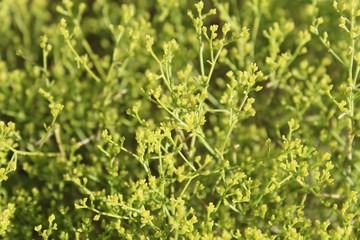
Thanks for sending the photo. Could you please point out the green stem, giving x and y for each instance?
(350, 122)
(24, 153)
(213, 63)
(89, 50)
(163, 75)
(201, 58)
(78, 58)
(187, 161)
(233, 122)
(187, 184)
(255, 30)
(105, 213)
(332, 52)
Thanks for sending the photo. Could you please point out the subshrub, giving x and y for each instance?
(174, 120)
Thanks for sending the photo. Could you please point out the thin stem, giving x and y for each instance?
(255, 30)
(105, 213)
(163, 75)
(59, 142)
(333, 53)
(24, 153)
(207, 145)
(89, 50)
(187, 184)
(233, 122)
(213, 63)
(45, 54)
(94, 58)
(201, 58)
(78, 58)
(350, 122)
(187, 161)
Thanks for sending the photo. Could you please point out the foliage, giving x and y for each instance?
(174, 120)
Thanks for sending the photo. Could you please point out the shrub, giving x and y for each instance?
(174, 120)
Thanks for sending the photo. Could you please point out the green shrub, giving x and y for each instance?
(174, 120)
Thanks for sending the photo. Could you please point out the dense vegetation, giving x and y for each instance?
(166, 119)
